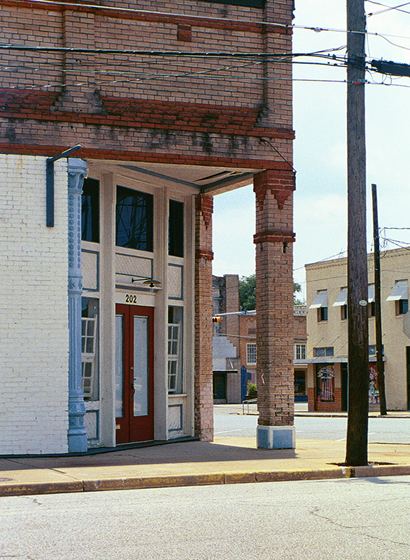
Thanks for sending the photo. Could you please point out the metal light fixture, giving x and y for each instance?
(149, 282)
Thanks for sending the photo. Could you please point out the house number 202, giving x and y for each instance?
(130, 298)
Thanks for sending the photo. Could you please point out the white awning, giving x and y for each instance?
(399, 291)
(341, 298)
(320, 300)
(370, 293)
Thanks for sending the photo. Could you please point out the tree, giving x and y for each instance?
(247, 293)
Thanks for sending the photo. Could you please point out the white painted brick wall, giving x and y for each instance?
(33, 309)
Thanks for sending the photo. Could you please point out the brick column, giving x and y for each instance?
(204, 428)
(274, 308)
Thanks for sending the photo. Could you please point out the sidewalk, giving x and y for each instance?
(226, 461)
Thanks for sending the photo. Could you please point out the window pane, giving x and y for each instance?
(176, 229)
(134, 219)
(140, 366)
(119, 371)
(175, 349)
(89, 347)
(90, 210)
(325, 383)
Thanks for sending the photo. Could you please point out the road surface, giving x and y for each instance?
(328, 520)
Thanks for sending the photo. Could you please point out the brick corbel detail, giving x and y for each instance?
(205, 205)
(274, 236)
(281, 184)
(204, 254)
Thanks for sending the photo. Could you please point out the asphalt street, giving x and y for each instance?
(384, 430)
(342, 520)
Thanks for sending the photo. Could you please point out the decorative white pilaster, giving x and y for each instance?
(77, 435)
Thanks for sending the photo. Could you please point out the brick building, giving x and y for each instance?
(235, 344)
(327, 350)
(105, 300)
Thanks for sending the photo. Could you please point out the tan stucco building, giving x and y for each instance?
(327, 350)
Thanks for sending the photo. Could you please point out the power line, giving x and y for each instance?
(388, 8)
(285, 26)
(165, 54)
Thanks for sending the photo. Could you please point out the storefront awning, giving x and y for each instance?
(320, 300)
(399, 291)
(341, 298)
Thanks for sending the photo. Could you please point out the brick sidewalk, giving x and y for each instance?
(226, 461)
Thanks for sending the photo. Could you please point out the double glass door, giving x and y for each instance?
(134, 373)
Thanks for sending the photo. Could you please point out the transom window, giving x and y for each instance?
(134, 219)
(251, 354)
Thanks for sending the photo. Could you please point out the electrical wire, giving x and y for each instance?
(166, 54)
(100, 7)
(388, 8)
(396, 228)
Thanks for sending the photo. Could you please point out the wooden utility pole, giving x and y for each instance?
(357, 280)
(377, 305)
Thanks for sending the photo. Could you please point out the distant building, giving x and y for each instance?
(234, 344)
(327, 349)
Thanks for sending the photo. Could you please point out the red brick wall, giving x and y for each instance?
(314, 405)
(120, 105)
(203, 391)
(299, 328)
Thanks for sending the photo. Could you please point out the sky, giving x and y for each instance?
(320, 219)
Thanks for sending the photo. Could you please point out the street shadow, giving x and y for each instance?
(186, 452)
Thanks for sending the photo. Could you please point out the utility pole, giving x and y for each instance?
(377, 304)
(357, 280)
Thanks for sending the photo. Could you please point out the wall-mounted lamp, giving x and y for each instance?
(149, 282)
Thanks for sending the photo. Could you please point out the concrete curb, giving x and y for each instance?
(173, 481)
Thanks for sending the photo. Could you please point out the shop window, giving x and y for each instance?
(300, 351)
(251, 354)
(176, 229)
(323, 351)
(343, 312)
(175, 350)
(89, 348)
(134, 219)
(90, 211)
(300, 384)
(325, 383)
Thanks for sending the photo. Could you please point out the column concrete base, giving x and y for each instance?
(77, 443)
(275, 437)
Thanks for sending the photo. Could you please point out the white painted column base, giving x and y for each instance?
(275, 437)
